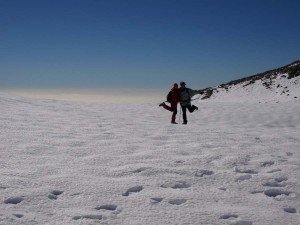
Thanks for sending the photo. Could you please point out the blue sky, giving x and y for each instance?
(143, 43)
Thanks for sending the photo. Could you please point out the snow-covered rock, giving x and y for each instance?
(279, 85)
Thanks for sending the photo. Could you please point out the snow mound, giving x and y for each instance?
(279, 85)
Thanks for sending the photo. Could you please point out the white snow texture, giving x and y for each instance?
(278, 89)
(73, 163)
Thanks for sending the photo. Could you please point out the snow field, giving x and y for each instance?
(70, 163)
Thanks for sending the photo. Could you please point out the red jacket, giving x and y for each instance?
(175, 96)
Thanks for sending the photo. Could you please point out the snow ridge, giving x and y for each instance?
(278, 85)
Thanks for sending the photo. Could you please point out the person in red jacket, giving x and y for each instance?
(174, 99)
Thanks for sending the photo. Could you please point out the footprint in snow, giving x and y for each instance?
(92, 217)
(289, 153)
(75, 194)
(274, 171)
(13, 200)
(282, 160)
(177, 201)
(109, 207)
(242, 222)
(276, 182)
(257, 139)
(54, 194)
(176, 185)
(290, 210)
(267, 163)
(156, 200)
(276, 192)
(243, 178)
(202, 173)
(228, 216)
(132, 190)
(18, 215)
(245, 170)
(214, 158)
(139, 170)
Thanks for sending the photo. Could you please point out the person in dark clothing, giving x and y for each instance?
(174, 99)
(186, 95)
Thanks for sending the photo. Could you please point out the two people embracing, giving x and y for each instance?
(182, 95)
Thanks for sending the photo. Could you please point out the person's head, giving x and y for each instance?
(175, 86)
(182, 84)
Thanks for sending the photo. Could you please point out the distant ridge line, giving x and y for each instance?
(292, 70)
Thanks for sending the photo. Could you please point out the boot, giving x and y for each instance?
(161, 104)
(173, 122)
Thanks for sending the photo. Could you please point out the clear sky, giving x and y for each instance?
(143, 43)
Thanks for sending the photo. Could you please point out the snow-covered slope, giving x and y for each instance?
(280, 85)
(68, 163)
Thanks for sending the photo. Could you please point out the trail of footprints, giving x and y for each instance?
(54, 195)
(274, 184)
(108, 207)
(17, 200)
(246, 174)
(136, 189)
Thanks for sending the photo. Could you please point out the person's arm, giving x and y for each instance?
(193, 92)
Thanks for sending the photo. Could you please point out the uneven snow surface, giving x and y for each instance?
(71, 163)
(279, 89)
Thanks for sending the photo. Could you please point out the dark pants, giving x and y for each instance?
(172, 108)
(191, 109)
